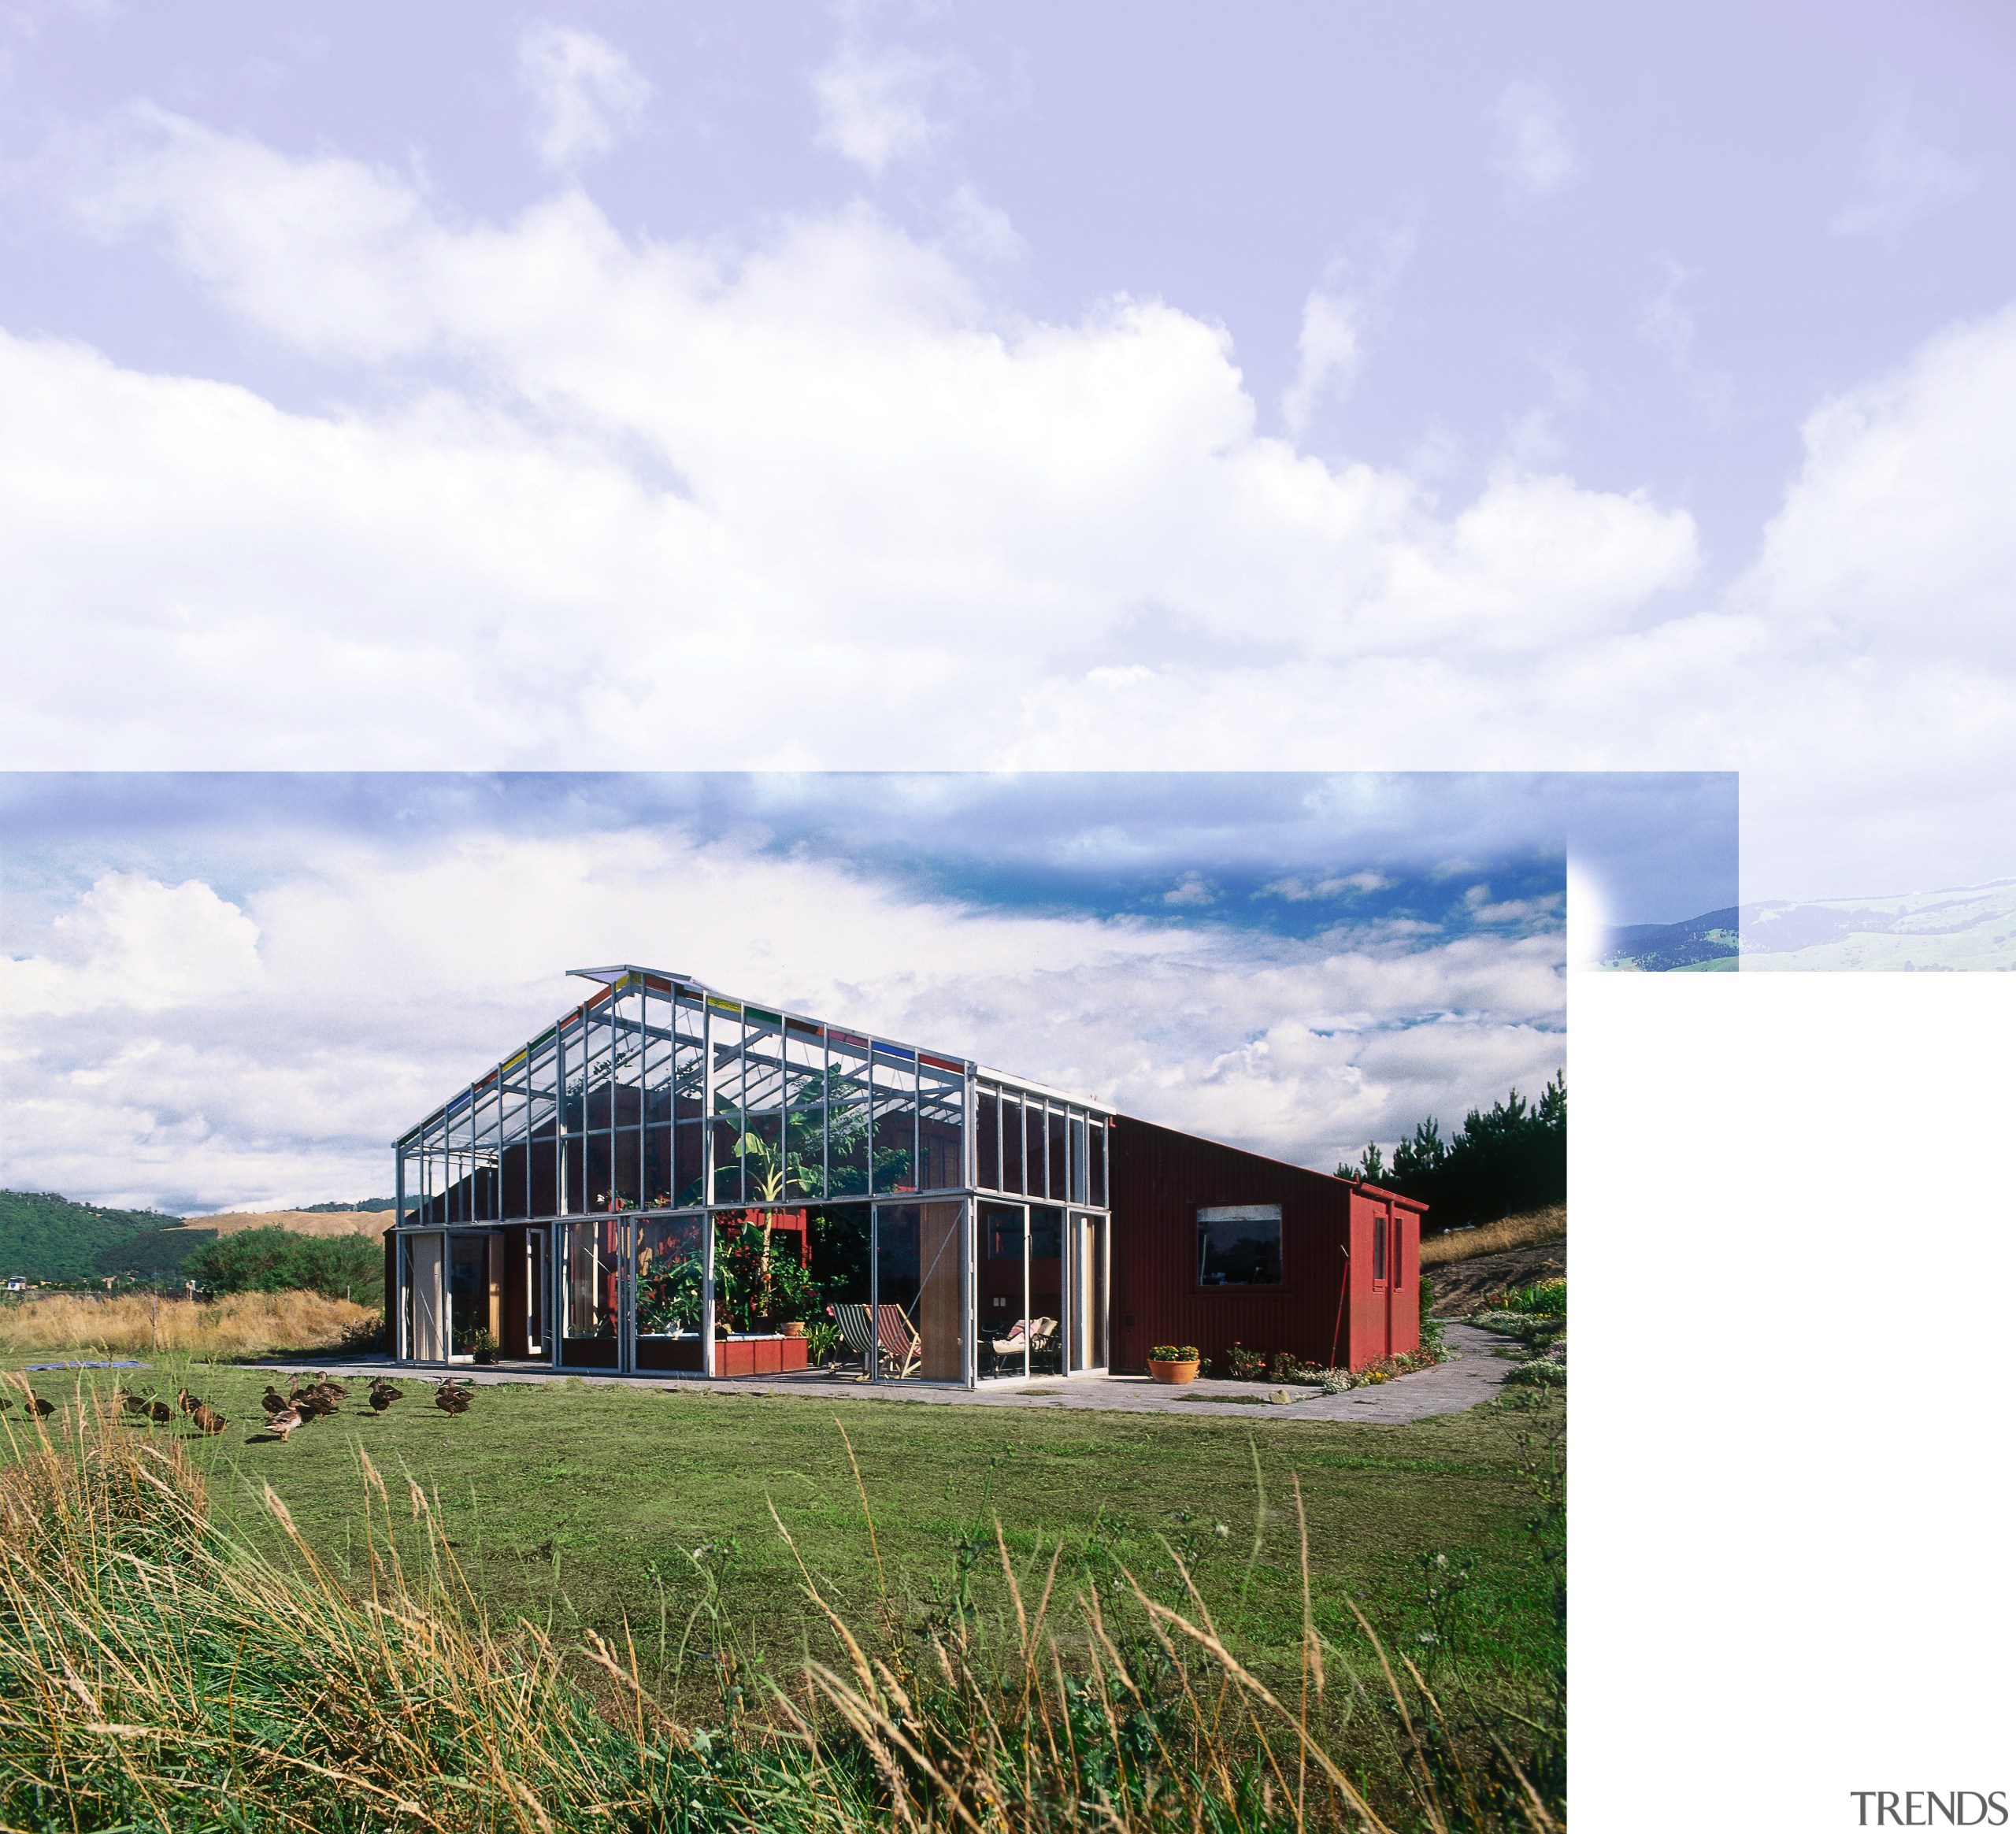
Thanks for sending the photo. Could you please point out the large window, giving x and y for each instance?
(1239, 1245)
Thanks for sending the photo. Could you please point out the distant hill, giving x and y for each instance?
(47, 1237)
(43, 1236)
(1964, 927)
(1705, 942)
(323, 1220)
(363, 1203)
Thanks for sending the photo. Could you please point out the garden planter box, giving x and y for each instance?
(758, 1356)
(1172, 1372)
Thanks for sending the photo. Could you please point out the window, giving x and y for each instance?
(987, 1172)
(1239, 1245)
(1378, 1248)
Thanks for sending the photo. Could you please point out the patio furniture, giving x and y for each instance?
(857, 1331)
(1035, 1335)
(901, 1345)
(879, 1331)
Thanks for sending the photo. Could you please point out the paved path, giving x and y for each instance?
(1472, 1374)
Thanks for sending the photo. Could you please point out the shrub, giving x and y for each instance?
(483, 1345)
(822, 1338)
(275, 1260)
(1245, 1365)
(1173, 1353)
(1540, 1372)
(1286, 1366)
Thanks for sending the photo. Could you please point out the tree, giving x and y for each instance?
(1508, 1157)
(276, 1261)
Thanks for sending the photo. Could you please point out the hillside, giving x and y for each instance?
(47, 1237)
(43, 1236)
(296, 1222)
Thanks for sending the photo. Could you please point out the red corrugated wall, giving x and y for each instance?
(1161, 1178)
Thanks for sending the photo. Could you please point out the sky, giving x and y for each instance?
(233, 991)
(939, 388)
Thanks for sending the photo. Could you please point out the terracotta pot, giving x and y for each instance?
(794, 1328)
(1172, 1372)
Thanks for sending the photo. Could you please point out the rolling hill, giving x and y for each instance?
(44, 1236)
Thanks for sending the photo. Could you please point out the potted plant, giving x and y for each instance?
(1173, 1362)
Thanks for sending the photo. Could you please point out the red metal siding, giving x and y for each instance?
(1160, 1178)
(1328, 1309)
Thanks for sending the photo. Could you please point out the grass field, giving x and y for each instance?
(140, 1324)
(590, 1507)
(1520, 1232)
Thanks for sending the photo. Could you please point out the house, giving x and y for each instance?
(672, 1179)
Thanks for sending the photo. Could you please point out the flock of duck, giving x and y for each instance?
(301, 1404)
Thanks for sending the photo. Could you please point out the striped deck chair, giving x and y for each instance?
(901, 1345)
(856, 1332)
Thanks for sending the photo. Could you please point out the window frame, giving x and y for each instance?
(1200, 1214)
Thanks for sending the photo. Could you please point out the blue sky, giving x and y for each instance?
(934, 387)
(232, 991)
(1269, 851)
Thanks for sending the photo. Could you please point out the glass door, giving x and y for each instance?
(538, 1297)
(592, 1295)
(1045, 1289)
(920, 1291)
(1002, 1290)
(1088, 1306)
(468, 1296)
(420, 1300)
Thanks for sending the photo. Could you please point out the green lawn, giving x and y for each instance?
(576, 1504)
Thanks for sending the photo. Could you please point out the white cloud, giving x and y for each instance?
(587, 93)
(1531, 149)
(1903, 180)
(1336, 885)
(930, 531)
(876, 104)
(281, 1081)
(1328, 352)
(1337, 318)
(1191, 889)
(982, 229)
(1665, 323)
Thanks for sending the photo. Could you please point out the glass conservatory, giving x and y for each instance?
(672, 1180)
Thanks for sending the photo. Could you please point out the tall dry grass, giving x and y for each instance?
(236, 1325)
(1550, 1225)
(154, 1674)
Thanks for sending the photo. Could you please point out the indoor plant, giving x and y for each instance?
(1173, 1362)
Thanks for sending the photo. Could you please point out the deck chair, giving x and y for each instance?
(856, 1332)
(901, 1345)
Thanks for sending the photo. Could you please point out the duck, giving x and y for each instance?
(186, 1402)
(451, 1399)
(40, 1407)
(274, 1402)
(284, 1420)
(383, 1394)
(207, 1419)
(160, 1413)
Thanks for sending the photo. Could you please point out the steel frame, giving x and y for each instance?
(690, 1043)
